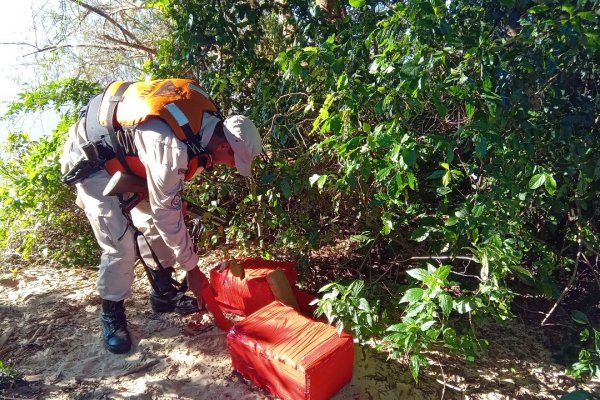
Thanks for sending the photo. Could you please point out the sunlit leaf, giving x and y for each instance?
(418, 273)
(412, 295)
(445, 301)
(357, 3)
(537, 180)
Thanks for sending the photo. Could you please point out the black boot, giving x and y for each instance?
(170, 298)
(114, 327)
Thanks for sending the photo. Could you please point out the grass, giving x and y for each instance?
(8, 376)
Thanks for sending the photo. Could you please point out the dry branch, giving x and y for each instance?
(104, 15)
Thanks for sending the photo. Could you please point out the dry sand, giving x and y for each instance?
(49, 333)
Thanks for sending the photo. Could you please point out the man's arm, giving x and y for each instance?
(165, 160)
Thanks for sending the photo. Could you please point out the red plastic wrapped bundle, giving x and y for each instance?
(245, 296)
(304, 299)
(291, 355)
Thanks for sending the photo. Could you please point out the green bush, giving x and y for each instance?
(39, 220)
(457, 142)
(462, 133)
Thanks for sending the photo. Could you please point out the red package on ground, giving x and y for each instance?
(304, 299)
(290, 355)
(245, 296)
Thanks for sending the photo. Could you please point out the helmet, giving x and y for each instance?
(243, 137)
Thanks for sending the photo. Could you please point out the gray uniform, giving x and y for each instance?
(160, 219)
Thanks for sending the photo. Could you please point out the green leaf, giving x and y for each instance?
(451, 221)
(440, 107)
(436, 174)
(485, 267)
(339, 326)
(412, 295)
(445, 301)
(550, 184)
(419, 234)
(363, 305)
(286, 188)
(318, 179)
(443, 271)
(463, 305)
(328, 287)
(382, 174)
(388, 224)
(427, 325)
(588, 16)
(470, 108)
(412, 180)
(446, 178)
(358, 3)
(520, 270)
(537, 180)
(478, 210)
(328, 311)
(567, 8)
(538, 9)
(356, 287)
(418, 273)
(415, 363)
(481, 146)
(579, 317)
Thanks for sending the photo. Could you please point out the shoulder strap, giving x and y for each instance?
(93, 129)
(97, 133)
(113, 102)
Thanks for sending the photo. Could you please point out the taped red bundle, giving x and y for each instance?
(290, 355)
(247, 295)
(304, 300)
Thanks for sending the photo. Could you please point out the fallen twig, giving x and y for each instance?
(141, 368)
(443, 258)
(444, 377)
(447, 385)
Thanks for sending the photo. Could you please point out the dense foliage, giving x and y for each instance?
(455, 142)
(39, 221)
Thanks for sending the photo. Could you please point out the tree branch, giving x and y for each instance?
(590, 248)
(577, 259)
(19, 44)
(104, 15)
(566, 289)
(66, 46)
(136, 45)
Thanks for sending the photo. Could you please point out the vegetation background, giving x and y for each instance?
(455, 145)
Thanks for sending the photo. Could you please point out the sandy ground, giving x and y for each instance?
(49, 333)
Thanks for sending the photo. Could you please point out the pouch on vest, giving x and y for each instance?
(85, 167)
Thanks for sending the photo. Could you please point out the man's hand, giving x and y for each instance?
(196, 281)
(199, 285)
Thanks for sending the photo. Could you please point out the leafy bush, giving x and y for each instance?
(457, 141)
(589, 355)
(38, 217)
(458, 132)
